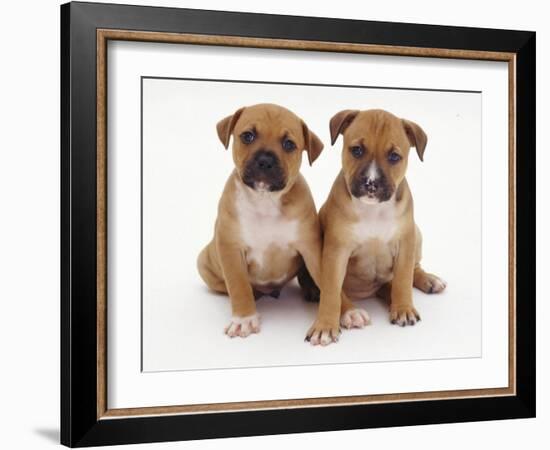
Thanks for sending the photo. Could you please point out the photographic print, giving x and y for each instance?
(292, 148)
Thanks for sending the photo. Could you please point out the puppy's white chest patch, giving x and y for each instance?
(262, 224)
(376, 221)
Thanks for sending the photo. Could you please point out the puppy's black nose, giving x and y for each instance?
(265, 161)
(371, 186)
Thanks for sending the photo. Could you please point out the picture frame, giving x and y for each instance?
(86, 418)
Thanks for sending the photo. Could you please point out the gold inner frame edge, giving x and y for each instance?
(104, 35)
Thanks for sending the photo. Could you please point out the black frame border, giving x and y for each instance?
(79, 423)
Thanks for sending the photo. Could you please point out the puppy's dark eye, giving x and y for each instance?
(288, 145)
(357, 151)
(248, 137)
(394, 157)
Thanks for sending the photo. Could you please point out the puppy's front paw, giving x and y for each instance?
(404, 315)
(323, 333)
(243, 326)
(355, 318)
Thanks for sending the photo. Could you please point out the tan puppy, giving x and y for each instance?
(267, 225)
(372, 245)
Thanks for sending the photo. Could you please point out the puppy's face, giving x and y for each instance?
(375, 152)
(268, 141)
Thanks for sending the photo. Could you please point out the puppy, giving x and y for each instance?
(372, 246)
(267, 230)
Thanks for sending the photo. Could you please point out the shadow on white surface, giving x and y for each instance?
(49, 434)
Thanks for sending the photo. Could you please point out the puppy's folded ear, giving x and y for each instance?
(225, 126)
(313, 145)
(340, 122)
(416, 137)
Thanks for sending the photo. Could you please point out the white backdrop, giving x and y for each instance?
(29, 185)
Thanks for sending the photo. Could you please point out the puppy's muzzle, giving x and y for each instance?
(369, 189)
(263, 171)
(265, 161)
(371, 186)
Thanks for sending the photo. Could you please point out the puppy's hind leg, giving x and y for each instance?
(352, 316)
(426, 282)
(309, 288)
(210, 269)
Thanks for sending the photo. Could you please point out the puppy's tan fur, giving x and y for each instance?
(370, 248)
(262, 239)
